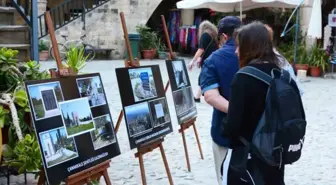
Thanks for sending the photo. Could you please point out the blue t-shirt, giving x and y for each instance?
(217, 72)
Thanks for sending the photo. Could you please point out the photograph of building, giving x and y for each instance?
(57, 148)
(103, 135)
(77, 116)
(138, 119)
(180, 74)
(92, 88)
(184, 100)
(44, 98)
(143, 85)
(160, 111)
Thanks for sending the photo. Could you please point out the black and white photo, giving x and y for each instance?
(57, 147)
(180, 73)
(160, 111)
(138, 119)
(77, 116)
(183, 100)
(103, 135)
(92, 88)
(143, 85)
(45, 98)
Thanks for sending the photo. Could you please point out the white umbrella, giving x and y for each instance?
(315, 23)
(227, 6)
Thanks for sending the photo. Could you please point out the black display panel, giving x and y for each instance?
(73, 124)
(144, 103)
(182, 92)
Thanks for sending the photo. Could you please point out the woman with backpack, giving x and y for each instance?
(207, 39)
(249, 111)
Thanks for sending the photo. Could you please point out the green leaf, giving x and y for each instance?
(21, 98)
(7, 151)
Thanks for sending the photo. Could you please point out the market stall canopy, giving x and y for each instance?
(315, 23)
(227, 6)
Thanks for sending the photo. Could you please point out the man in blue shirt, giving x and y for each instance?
(215, 80)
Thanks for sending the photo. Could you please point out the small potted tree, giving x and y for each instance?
(162, 49)
(43, 51)
(318, 61)
(302, 58)
(147, 41)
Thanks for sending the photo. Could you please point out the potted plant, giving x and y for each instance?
(318, 61)
(302, 62)
(147, 41)
(43, 51)
(76, 59)
(162, 49)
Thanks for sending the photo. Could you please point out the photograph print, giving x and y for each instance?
(92, 88)
(184, 100)
(77, 116)
(143, 85)
(138, 119)
(180, 74)
(57, 148)
(44, 99)
(160, 111)
(103, 135)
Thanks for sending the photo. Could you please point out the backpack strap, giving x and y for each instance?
(256, 73)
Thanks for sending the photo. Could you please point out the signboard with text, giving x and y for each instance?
(145, 106)
(73, 124)
(332, 20)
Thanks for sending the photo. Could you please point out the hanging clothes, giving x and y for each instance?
(173, 25)
(188, 38)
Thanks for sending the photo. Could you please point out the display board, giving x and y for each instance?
(73, 124)
(182, 92)
(144, 103)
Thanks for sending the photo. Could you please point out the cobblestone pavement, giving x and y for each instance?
(317, 165)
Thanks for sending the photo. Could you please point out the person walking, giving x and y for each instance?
(257, 100)
(216, 75)
(285, 64)
(207, 38)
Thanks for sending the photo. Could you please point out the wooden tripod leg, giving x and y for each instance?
(185, 148)
(198, 142)
(142, 170)
(121, 114)
(166, 165)
(106, 178)
(41, 179)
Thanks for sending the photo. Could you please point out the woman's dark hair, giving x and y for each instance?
(255, 43)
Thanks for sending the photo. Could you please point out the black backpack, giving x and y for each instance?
(279, 136)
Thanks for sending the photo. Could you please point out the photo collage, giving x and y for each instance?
(148, 112)
(58, 144)
(182, 92)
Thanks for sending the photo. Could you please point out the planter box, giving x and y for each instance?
(44, 55)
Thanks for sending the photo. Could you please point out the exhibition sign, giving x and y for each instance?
(182, 92)
(73, 124)
(144, 103)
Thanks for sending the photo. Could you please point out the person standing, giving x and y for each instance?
(285, 64)
(207, 38)
(216, 75)
(256, 114)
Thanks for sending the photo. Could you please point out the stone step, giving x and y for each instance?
(7, 15)
(24, 50)
(14, 34)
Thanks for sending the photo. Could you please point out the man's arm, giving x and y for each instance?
(209, 81)
(213, 98)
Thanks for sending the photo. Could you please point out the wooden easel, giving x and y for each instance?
(95, 172)
(183, 126)
(148, 147)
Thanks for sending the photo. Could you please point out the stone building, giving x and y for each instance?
(103, 27)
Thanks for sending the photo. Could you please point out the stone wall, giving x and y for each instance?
(103, 26)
